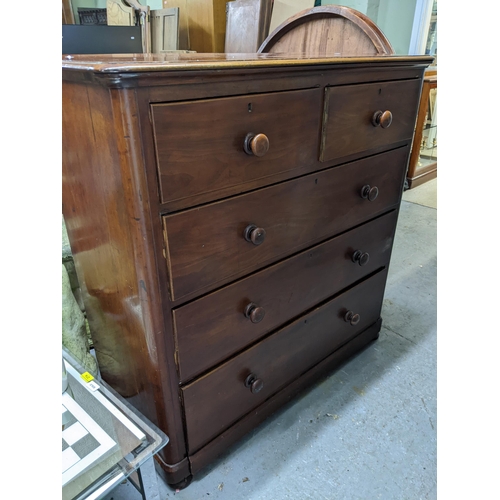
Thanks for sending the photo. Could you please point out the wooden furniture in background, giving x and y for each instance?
(328, 30)
(247, 25)
(164, 29)
(120, 13)
(285, 9)
(92, 17)
(67, 12)
(423, 159)
(231, 221)
(202, 24)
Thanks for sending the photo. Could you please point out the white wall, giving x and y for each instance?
(361, 5)
(393, 17)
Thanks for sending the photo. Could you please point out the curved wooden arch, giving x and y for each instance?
(328, 30)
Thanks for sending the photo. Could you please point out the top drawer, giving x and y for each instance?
(350, 123)
(200, 145)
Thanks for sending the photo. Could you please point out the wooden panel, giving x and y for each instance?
(119, 14)
(325, 30)
(215, 401)
(286, 9)
(205, 23)
(206, 245)
(164, 29)
(349, 110)
(222, 442)
(67, 12)
(326, 36)
(415, 171)
(200, 144)
(107, 213)
(247, 25)
(210, 329)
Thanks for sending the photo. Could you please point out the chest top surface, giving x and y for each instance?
(111, 64)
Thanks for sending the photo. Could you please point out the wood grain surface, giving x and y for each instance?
(218, 399)
(206, 247)
(349, 110)
(200, 145)
(328, 30)
(210, 329)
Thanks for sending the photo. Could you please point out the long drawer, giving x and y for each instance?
(351, 113)
(212, 328)
(217, 400)
(201, 144)
(214, 244)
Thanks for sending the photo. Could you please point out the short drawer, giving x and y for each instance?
(200, 145)
(216, 326)
(214, 244)
(215, 401)
(350, 118)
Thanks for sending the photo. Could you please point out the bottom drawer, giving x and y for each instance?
(215, 401)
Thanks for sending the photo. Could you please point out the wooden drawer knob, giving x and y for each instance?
(254, 313)
(369, 193)
(256, 144)
(254, 234)
(253, 383)
(360, 257)
(382, 118)
(352, 318)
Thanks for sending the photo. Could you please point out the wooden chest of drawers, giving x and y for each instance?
(231, 223)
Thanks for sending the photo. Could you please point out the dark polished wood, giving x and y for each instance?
(382, 118)
(254, 234)
(349, 110)
(369, 193)
(257, 145)
(254, 313)
(277, 361)
(194, 252)
(294, 215)
(201, 145)
(220, 445)
(107, 214)
(205, 328)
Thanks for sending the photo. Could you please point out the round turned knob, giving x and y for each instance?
(256, 144)
(352, 318)
(254, 313)
(369, 193)
(382, 118)
(254, 234)
(360, 257)
(254, 384)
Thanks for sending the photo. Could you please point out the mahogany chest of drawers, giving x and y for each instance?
(231, 222)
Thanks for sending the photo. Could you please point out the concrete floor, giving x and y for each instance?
(367, 431)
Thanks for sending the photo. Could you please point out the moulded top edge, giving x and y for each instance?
(168, 61)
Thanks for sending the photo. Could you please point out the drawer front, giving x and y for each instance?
(200, 144)
(215, 401)
(349, 127)
(206, 246)
(211, 329)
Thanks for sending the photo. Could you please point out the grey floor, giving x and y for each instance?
(367, 431)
